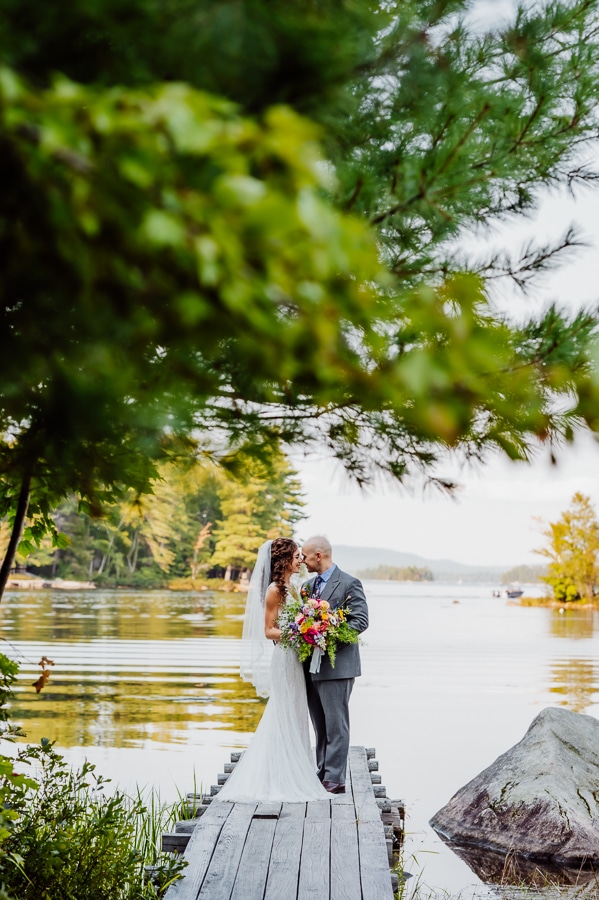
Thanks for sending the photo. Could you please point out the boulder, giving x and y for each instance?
(540, 799)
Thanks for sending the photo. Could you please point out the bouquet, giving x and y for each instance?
(312, 628)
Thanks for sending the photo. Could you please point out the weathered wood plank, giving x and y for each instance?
(199, 852)
(375, 877)
(174, 841)
(268, 811)
(250, 881)
(283, 871)
(362, 789)
(222, 870)
(315, 867)
(345, 868)
(187, 826)
(319, 809)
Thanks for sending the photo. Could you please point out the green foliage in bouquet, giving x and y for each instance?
(307, 623)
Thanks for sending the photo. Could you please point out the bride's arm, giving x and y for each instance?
(271, 611)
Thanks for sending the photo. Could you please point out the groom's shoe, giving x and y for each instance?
(333, 788)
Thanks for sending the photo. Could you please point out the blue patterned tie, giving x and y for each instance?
(318, 583)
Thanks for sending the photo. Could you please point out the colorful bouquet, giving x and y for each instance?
(311, 627)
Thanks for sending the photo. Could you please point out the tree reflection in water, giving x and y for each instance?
(574, 622)
(131, 667)
(575, 680)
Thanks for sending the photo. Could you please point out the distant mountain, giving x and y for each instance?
(354, 559)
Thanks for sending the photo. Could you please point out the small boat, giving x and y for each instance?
(511, 592)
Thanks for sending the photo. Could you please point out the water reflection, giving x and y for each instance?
(578, 622)
(129, 667)
(576, 683)
(512, 869)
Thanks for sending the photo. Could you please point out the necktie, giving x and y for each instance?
(318, 583)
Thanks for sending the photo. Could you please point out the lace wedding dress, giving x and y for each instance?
(279, 764)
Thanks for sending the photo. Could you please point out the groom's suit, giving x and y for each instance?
(329, 690)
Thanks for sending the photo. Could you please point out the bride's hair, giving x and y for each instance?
(282, 551)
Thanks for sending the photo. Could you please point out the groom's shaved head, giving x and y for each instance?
(317, 553)
(319, 544)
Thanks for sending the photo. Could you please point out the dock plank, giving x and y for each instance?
(283, 871)
(250, 881)
(375, 878)
(199, 852)
(364, 800)
(315, 867)
(345, 868)
(222, 870)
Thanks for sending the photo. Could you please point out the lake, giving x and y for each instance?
(146, 686)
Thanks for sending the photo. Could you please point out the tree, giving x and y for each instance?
(197, 518)
(573, 552)
(524, 573)
(255, 509)
(212, 269)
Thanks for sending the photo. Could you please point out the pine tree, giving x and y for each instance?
(255, 508)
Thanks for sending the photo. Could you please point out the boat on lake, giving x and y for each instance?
(512, 592)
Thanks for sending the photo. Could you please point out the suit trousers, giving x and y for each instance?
(328, 702)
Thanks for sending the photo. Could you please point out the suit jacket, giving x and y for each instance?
(343, 590)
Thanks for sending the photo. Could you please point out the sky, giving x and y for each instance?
(493, 519)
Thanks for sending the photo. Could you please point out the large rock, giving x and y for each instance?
(540, 799)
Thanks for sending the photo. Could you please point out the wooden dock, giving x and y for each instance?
(334, 849)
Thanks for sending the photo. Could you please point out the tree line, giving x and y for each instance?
(398, 573)
(199, 523)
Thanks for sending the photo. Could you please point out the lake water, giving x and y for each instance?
(145, 685)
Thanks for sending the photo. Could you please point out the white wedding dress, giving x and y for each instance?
(279, 764)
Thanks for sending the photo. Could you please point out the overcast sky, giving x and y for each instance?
(492, 519)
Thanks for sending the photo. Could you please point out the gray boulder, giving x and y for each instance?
(540, 799)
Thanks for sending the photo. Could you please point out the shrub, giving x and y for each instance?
(62, 837)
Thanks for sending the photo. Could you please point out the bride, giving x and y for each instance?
(278, 765)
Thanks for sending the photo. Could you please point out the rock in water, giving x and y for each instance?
(539, 799)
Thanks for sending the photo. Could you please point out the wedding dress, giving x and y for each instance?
(279, 764)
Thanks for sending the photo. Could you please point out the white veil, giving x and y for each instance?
(256, 649)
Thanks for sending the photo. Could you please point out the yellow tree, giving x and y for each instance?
(572, 549)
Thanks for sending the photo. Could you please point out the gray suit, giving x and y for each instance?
(329, 690)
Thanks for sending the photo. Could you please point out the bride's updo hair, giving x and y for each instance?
(282, 551)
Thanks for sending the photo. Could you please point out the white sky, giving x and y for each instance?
(492, 520)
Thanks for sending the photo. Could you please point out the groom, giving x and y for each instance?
(329, 690)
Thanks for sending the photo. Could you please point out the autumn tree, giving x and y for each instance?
(572, 551)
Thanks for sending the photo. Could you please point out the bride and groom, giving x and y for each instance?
(278, 765)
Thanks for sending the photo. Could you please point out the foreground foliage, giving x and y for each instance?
(60, 836)
(202, 253)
